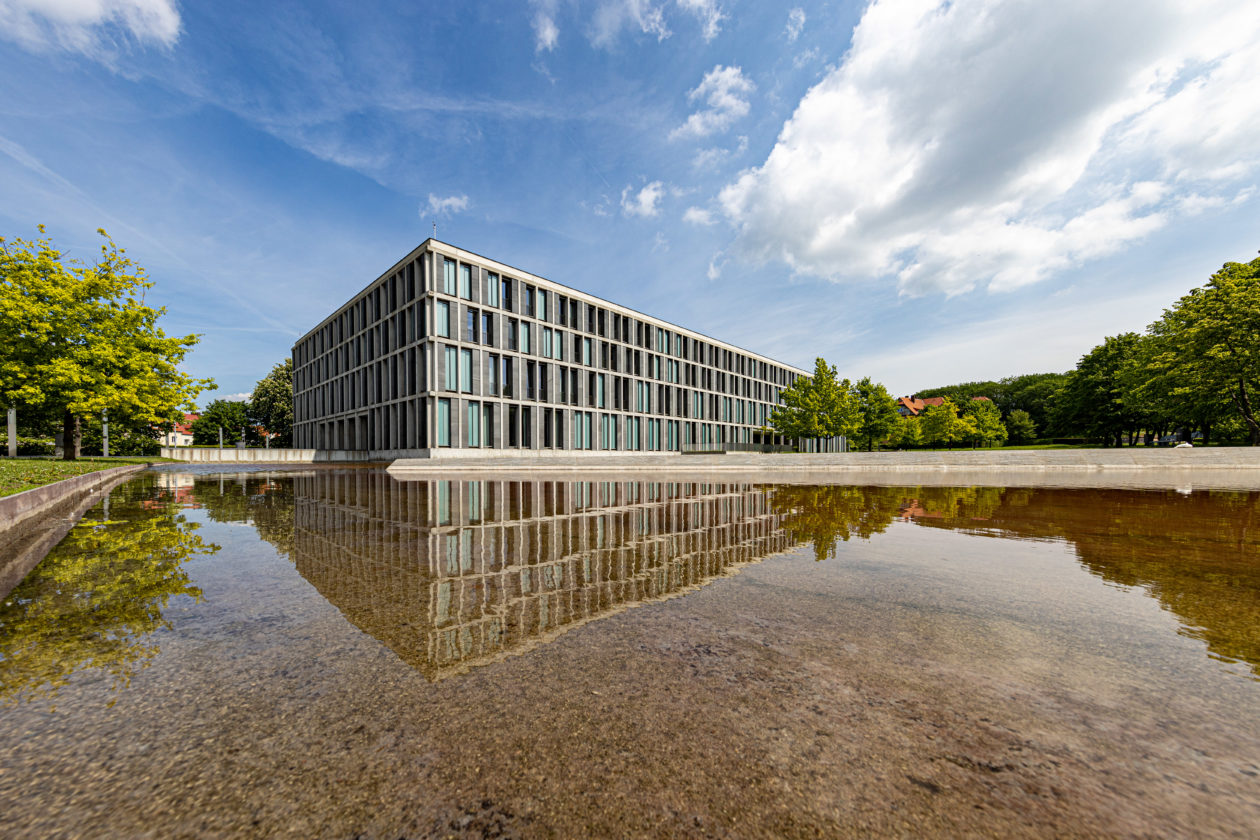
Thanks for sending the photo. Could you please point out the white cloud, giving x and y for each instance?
(709, 15)
(715, 269)
(714, 157)
(611, 16)
(546, 33)
(241, 397)
(645, 203)
(725, 91)
(660, 242)
(978, 142)
(446, 206)
(90, 27)
(699, 216)
(796, 23)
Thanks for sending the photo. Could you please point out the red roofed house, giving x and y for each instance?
(181, 435)
(913, 406)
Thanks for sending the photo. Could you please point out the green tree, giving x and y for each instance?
(271, 404)
(818, 406)
(77, 339)
(877, 411)
(229, 415)
(908, 432)
(1020, 427)
(1209, 342)
(986, 420)
(941, 424)
(1094, 399)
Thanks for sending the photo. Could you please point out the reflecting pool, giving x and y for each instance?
(334, 652)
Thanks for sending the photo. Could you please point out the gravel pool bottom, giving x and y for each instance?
(335, 653)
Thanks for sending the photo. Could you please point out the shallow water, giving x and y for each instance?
(337, 653)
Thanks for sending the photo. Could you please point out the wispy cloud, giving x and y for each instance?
(699, 216)
(724, 91)
(796, 23)
(90, 27)
(645, 203)
(612, 16)
(546, 32)
(446, 206)
(709, 14)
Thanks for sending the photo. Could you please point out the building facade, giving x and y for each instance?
(449, 351)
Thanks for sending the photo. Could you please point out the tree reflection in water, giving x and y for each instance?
(97, 597)
(1197, 553)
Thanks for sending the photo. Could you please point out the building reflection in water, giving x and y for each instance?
(454, 574)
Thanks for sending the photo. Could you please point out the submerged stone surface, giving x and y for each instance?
(337, 654)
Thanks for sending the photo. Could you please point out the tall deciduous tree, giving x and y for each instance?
(271, 404)
(1210, 342)
(986, 420)
(818, 406)
(942, 425)
(1020, 427)
(78, 339)
(877, 411)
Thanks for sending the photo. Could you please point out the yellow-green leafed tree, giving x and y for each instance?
(78, 339)
(818, 406)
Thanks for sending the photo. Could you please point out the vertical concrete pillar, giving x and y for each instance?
(12, 428)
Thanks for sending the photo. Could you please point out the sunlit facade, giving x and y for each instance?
(450, 351)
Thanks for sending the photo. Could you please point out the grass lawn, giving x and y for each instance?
(18, 474)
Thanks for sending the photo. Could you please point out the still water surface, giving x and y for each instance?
(337, 653)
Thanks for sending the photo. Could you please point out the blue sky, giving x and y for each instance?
(925, 192)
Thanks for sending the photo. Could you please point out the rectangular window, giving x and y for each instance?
(546, 343)
(487, 328)
(586, 351)
(448, 276)
(507, 376)
(444, 422)
(563, 378)
(547, 429)
(525, 337)
(506, 288)
(471, 323)
(562, 309)
(529, 301)
(465, 282)
(492, 375)
(558, 346)
(452, 373)
(513, 330)
(465, 371)
(487, 426)
(492, 290)
(529, 380)
(474, 424)
(442, 319)
(599, 391)
(542, 305)
(514, 425)
(527, 427)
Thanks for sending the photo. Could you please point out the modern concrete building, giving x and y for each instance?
(448, 351)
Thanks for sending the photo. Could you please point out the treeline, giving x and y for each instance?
(1194, 373)
(269, 409)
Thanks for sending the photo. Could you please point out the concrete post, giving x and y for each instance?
(220, 437)
(105, 433)
(12, 432)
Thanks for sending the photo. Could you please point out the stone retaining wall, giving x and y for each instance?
(979, 460)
